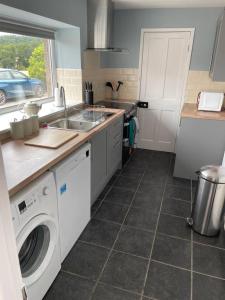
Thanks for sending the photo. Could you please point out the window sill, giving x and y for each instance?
(47, 110)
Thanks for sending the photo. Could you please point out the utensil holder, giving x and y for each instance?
(89, 97)
(115, 95)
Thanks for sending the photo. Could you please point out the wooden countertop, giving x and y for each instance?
(25, 163)
(190, 111)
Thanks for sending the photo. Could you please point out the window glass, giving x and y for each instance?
(4, 75)
(24, 57)
(18, 75)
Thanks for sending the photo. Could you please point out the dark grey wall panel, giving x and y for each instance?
(200, 142)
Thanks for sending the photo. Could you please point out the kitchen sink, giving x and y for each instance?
(74, 124)
(83, 121)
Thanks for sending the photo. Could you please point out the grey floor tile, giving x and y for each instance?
(168, 283)
(135, 241)
(186, 183)
(208, 288)
(112, 212)
(129, 183)
(125, 271)
(149, 201)
(217, 241)
(161, 155)
(147, 188)
(130, 171)
(100, 232)
(209, 260)
(120, 195)
(69, 287)
(141, 218)
(157, 177)
(106, 292)
(138, 162)
(176, 207)
(172, 251)
(174, 226)
(178, 193)
(85, 260)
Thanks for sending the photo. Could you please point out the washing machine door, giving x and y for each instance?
(36, 243)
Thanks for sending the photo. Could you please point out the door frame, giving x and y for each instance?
(187, 64)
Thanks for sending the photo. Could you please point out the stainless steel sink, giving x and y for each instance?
(77, 125)
(83, 121)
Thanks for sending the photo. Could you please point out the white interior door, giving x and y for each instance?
(165, 58)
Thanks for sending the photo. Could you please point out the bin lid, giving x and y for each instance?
(213, 173)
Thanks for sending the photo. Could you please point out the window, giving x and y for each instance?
(18, 75)
(4, 75)
(25, 69)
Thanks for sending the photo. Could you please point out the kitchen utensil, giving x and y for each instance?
(119, 84)
(89, 97)
(30, 108)
(51, 138)
(88, 93)
(109, 84)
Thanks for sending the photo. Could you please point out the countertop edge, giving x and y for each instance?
(190, 111)
(13, 189)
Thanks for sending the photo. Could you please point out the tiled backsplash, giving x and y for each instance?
(99, 76)
(72, 80)
(129, 77)
(200, 81)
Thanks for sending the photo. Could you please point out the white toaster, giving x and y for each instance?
(210, 101)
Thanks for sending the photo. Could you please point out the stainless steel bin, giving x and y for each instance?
(209, 201)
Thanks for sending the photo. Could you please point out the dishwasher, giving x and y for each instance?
(73, 183)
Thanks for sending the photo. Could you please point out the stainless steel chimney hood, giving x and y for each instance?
(99, 20)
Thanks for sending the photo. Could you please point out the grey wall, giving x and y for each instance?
(73, 12)
(128, 24)
(67, 46)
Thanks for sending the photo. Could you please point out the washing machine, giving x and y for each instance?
(35, 219)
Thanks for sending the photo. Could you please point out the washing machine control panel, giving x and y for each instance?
(28, 204)
(22, 207)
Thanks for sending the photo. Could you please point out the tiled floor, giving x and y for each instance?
(137, 245)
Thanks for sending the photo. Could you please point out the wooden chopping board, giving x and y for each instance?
(51, 138)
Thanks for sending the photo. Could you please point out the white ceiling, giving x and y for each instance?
(141, 4)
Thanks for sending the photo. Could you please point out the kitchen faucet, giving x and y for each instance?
(63, 98)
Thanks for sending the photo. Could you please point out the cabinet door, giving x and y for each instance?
(98, 164)
(114, 146)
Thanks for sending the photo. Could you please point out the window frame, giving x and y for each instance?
(52, 60)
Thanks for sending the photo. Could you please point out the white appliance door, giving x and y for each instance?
(73, 190)
(163, 63)
(36, 244)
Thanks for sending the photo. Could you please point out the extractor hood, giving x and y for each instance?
(99, 20)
